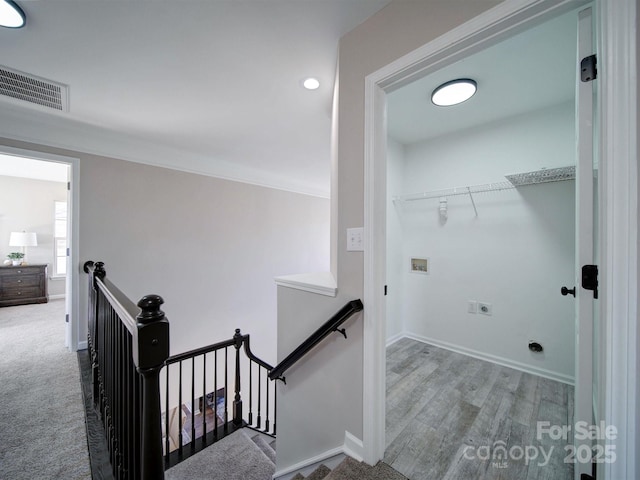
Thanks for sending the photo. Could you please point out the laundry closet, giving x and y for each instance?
(481, 217)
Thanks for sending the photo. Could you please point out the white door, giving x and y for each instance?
(585, 251)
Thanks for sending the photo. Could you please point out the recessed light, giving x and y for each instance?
(11, 15)
(311, 83)
(454, 92)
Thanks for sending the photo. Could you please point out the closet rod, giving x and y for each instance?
(451, 192)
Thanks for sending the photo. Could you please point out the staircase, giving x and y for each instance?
(244, 455)
(351, 469)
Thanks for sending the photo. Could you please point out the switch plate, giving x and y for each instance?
(355, 242)
(485, 308)
(472, 306)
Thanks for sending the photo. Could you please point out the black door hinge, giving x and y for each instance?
(588, 68)
(385, 289)
(66, 318)
(590, 279)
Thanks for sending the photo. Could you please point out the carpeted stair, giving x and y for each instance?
(244, 455)
(351, 469)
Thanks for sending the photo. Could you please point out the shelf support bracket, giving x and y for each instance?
(472, 202)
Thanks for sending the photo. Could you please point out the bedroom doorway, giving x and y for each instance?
(65, 251)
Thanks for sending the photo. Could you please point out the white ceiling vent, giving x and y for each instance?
(34, 90)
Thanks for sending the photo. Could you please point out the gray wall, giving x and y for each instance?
(27, 204)
(209, 247)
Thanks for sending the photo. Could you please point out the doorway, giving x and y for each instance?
(616, 25)
(483, 193)
(61, 268)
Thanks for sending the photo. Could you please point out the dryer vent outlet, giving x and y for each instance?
(535, 347)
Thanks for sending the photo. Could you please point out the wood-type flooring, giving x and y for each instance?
(450, 417)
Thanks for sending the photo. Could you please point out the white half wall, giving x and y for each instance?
(515, 255)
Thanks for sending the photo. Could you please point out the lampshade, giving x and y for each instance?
(23, 239)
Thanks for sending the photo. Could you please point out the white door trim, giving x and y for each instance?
(619, 205)
(619, 170)
(74, 165)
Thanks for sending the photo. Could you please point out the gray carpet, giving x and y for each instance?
(350, 469)
(235, 457)
(42, 426)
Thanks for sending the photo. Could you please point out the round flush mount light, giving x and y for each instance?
(454, 92)
(11, 15)
(311, 83)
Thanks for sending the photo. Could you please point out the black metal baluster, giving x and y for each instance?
(117, 339)
(215, 395)
(275, 407)
(259, 397)
(167, 446)
(250, 392)
(226, 391)
(266, 422)
(193, 400)
(137, 425)
(179, 411)
(203, 408)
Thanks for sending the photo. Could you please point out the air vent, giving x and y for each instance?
(35, 90)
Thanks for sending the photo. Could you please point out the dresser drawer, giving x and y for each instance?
(19, 271)
(21, 281)
(14, 293)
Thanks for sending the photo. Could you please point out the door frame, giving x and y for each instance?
(74, 342)
(616, 138)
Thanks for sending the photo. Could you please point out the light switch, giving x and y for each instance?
(355, 241)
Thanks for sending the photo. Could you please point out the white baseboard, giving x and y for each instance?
(353, 446)
(59, 296)
(330, 458)
(495, 359)
(394, 338)
(82, 345)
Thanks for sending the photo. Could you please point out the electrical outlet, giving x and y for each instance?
(472, 306)
(485, 308)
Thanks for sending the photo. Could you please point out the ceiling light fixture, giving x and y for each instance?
(311, 83)
(11, 15)
(454, 92)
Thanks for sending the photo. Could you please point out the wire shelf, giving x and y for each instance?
(515, 180)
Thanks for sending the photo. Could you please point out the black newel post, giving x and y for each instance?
(151, 351)
(237, 401)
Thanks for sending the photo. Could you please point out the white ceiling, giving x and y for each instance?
(211, 86)
(12, 166)
(532, 70)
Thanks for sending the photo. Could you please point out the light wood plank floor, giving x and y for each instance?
(452, 417)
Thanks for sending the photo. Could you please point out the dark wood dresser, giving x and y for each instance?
(22, 285)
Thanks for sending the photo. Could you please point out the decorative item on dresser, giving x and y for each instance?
(23, 284)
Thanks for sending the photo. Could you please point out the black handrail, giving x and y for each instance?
(329, 326)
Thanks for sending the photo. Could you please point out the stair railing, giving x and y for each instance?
(331, 325)
(198, 396)
(128, 348)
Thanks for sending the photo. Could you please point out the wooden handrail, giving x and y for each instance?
(328, 327)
